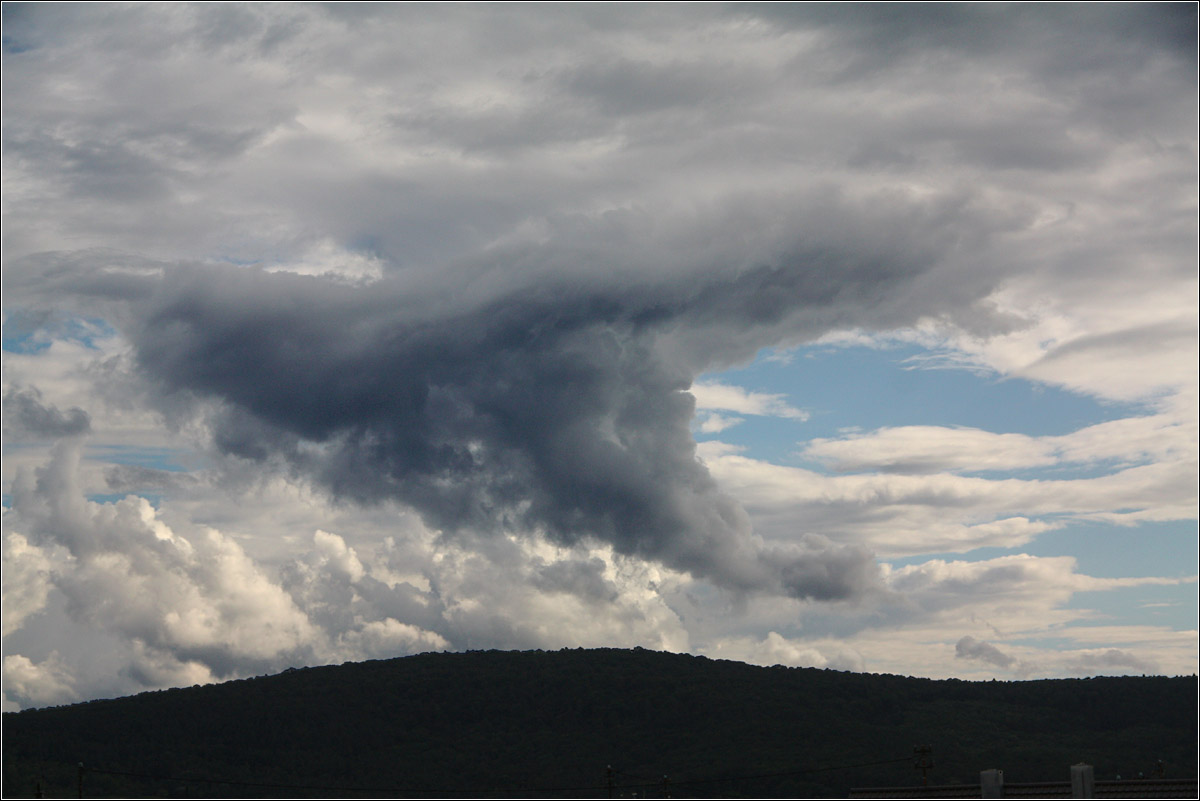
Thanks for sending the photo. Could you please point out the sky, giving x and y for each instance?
(859, 337)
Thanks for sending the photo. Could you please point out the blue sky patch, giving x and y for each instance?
(31, 332)
(868, 388)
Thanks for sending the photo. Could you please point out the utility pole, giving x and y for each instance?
(80, 781)
(923, 761)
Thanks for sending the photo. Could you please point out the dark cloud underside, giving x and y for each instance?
(552, 408)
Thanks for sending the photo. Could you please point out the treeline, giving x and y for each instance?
(548, 724)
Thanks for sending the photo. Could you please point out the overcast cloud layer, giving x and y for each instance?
(354, 331)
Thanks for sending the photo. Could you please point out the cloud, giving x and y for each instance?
(195, 599)
(715, 395)
(583, 578)
(27, 571)
(1016, 579)
(1111, 660)
(927, 449)
(540, 302)
(555, 410)
(340, 558)
(775, 649)
(941, 512)
(135, 613)
(42, 684)
(149, 667)
(970, 648)
(25, 414)
(715, 423)
(494, 593)
(1096, 339)
(442, 280)
(418, 592)
(388, 637)
(1030, 602)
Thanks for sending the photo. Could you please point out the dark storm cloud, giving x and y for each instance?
(547, 411)
(24, 413)
(537, 397)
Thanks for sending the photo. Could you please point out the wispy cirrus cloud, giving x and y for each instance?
(942, 512)
(726, 398)
(927, 449)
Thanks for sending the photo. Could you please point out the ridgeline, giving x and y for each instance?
(550, 724)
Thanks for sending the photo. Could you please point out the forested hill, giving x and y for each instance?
(545, 724)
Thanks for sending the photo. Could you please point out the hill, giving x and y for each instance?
(545, 724)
